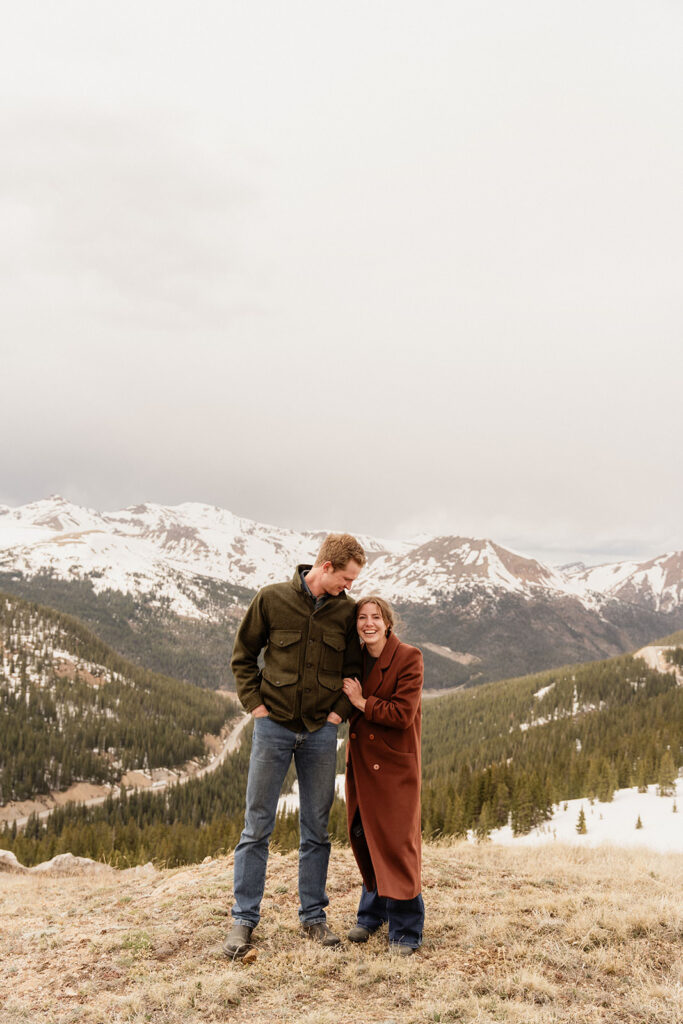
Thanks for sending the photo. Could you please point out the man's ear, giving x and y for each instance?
(326, 566)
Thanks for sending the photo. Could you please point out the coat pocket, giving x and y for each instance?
(332, 660)
(282, 655)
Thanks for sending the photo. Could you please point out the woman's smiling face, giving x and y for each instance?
(370, 624)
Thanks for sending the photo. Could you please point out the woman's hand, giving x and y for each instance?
(354, 692)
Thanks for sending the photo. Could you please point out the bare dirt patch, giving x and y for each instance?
(214, 744)
(67, 670)
(80, 792)
(15, 809)
(136, 780)
(18, 810)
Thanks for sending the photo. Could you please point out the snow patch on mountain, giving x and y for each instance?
(656, 583)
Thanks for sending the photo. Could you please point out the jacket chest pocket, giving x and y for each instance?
(282, 657)
(332, 659)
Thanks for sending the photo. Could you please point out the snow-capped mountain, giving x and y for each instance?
(656, 584)
(154, 549)
(167, 586)
(442, 566)
(169, 551)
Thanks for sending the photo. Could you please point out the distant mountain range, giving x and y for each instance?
(479, 610)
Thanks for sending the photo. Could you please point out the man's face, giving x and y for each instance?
(335, 580)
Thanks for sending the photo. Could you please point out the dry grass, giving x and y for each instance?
(525, 936)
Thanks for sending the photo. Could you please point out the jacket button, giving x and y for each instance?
(376, 767)
(353, 735)
(372, 736)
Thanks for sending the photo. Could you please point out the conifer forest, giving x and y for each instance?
(71, 709)
(502, 752)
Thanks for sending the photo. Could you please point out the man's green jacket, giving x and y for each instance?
(307, 654)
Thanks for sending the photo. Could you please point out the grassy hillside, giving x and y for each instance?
(524, 936)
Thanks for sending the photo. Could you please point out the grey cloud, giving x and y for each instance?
(130, 212)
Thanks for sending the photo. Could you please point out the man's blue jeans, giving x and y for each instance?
(315, 757)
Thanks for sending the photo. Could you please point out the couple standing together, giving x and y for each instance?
(325, 659)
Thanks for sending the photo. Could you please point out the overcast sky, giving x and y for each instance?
(387, 266)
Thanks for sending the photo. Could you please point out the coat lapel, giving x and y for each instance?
(374, 680)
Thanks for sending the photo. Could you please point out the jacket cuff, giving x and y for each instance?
(369, 707)
(342, 707)
(250, 703)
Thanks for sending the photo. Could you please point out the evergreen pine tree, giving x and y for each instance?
(581, 823)
(641, 776)
(501, 804)
(639, 823)
(485, 822)
(667, 775)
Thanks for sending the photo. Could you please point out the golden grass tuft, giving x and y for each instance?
(521, 936)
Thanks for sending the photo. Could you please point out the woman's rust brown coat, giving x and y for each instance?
(383, 773)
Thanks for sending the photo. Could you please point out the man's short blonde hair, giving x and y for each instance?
(340, 548)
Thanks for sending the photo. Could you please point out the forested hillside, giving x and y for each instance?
(510, 750)
(71, 709)
(181, 825)
(504, 751)
(144, 629)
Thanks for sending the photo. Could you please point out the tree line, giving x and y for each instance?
(509, 751)
(503, 753)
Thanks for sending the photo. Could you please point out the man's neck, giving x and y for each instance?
(314, 581)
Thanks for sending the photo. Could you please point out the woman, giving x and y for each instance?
(383, 769)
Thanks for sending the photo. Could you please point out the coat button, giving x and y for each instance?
(372, 736)
(353, 735)
(376, 767)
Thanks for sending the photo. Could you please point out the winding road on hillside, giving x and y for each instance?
(230, 744)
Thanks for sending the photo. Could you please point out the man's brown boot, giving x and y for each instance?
(238, 941)
(321, 933)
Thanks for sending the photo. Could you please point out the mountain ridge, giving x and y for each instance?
(138, 548)
(168, 585)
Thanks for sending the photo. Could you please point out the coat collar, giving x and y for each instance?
(296, 578)
(374, 680)
(299, 587)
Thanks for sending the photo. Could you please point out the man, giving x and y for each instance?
(306, 630)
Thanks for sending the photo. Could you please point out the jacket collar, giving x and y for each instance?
(297, 584)
(296, 578)
(374, 680)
